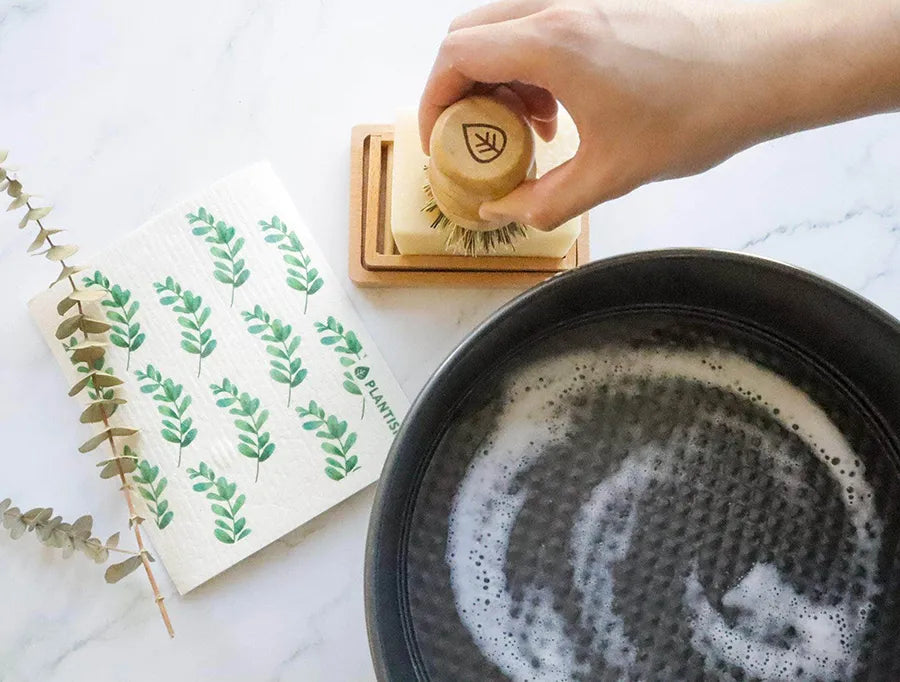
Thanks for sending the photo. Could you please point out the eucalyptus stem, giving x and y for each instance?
(135, 522)
(134, 519)
(121, 551)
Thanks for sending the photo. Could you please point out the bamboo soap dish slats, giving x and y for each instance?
(374, 259)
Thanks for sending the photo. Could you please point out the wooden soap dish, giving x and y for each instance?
(374, 259)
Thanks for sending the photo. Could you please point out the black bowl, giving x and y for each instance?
(821, 336)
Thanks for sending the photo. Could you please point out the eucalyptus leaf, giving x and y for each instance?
(86, 295)
(224, 248)
(88, 352)
(106, 434)
(283, 345)
(80, 322)
(32, 214)
(41, 238)
(122, 569)
(95, 379)
(300, 277)
(176, 421)
(69, 326)
(349, 349)
(171, 294)
(65, 305)
(334, 443)
(151, 487)
(60, 252)
(229, 527)
(100, 410)
(65, 272)
(115, 301)
(82, 524)
(20, 201)
(55, 533)
(249, 421)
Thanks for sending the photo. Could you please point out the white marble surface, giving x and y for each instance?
(114, 110)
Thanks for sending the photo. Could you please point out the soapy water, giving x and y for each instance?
(766, 624)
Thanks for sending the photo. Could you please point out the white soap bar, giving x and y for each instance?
(411, 226)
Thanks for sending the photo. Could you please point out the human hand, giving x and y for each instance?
(659, 88)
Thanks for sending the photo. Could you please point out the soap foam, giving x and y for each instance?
(524, 635)
(820, 639)
(527, 643)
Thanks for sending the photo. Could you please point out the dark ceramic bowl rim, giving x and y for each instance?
(394, 655)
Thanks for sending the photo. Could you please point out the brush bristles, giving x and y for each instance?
(472, 242)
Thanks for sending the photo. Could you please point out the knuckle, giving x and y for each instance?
(451, 45)
(458, 23)
(565, 24)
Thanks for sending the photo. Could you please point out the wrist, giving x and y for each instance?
(800, 64)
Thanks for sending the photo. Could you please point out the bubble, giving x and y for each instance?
(774, 631)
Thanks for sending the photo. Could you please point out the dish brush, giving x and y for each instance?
(481, 150)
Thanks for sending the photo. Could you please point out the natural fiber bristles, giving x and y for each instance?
(472, 242)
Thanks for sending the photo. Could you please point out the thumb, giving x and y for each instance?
(570, 189)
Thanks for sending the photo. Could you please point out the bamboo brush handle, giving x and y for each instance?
(481, 150)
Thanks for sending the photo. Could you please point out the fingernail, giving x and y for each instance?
(544, 119)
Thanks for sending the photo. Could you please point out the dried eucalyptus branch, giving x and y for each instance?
(96, 381)
(87, 360)
(53, 532)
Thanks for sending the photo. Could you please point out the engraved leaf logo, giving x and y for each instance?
(484, 141)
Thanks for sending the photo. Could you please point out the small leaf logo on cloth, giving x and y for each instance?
(484, 141)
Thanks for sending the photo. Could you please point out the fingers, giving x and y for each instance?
(568, 190)
(445, 85)
(497, 53)
(534, 104)
(541, 107)
(541, 103)
(496, 12)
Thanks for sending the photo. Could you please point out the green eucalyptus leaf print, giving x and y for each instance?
(230, 526)
(336, 442)
(301, 276)
(349, 349)
(177, 426)
(151, 487)
(196, 336)
(225, 247)
(254, 442)
(125, 331)
(282, 344)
